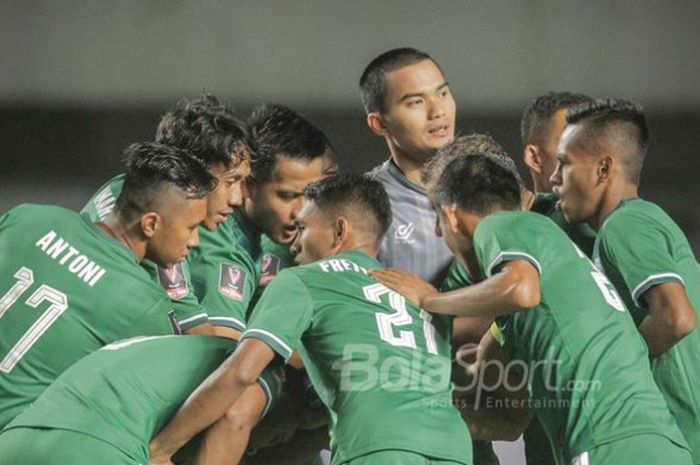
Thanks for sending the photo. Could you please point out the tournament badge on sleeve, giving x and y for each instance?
(270, 268)
(173, 281)
(232, 281)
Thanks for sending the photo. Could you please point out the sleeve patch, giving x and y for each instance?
(232, 281)
(270, 268)
(173, 281)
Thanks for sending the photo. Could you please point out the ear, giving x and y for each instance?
(605, 167)
(341, 230)
(375, 121)
(149, 223)
(532, 159)
(450, 212)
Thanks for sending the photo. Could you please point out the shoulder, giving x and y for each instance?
(380, 172)
(633, 216)
(44, 213)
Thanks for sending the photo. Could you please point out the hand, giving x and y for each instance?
(157, 457)
(411, 286)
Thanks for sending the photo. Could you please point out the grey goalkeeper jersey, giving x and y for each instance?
(411, 243)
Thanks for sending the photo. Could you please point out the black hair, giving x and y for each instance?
(358, 192)
(373, 89)
(537, 115)
(208, 129)
(477, 184)
(279, 131)
(618, 122)
(471, 144)
(149, 167)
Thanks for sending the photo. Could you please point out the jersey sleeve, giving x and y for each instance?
(224, 281)
(282, 315)
(643, 261)
(499, 239)
(457, 277)
(177, 282)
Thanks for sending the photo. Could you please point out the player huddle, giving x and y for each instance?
(225, 300)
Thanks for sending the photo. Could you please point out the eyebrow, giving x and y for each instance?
(421, 94)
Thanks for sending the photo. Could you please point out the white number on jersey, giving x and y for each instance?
(387, 321)
(58, 304)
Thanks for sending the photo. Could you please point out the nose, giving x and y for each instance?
(436, 108)
(235, 198)
(194, 239)
(296, 207)
(555, 178)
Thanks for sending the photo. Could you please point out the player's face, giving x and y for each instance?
(315, 239)
(549, 147)
(459, 242)
(421, 111)
(274, 205)
(227, 193)
(177, 230)
(575, 179)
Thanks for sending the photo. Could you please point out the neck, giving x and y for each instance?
(366, 247)
(611, 200)
(128, 235)
(410, 165)
(538, 185)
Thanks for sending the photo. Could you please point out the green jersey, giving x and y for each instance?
(639, 246)
(66, 289)
(587, 365)
(125, 392)
(176, 280)
(380, 364)
(273, 259)
(226, 270)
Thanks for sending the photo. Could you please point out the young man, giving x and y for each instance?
(210, 132)
(378, 363)
(289, 152)
(408, 102)
(74, 421)
(541, 126)
(559, 321)
(70, 286)
(639, 247)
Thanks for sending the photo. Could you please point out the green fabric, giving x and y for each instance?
(377, 362)
(649, 449)
(273, 259)
(35, 446)
(68, 289)
(225, 270)
(397, 457)
(589, 371)
(126, 392)
(175, 280)
(639, 246)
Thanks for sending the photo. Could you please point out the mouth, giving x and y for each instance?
(440, 131)
(289, 232)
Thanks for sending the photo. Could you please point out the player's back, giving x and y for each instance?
(588, 366)
(381, 364)
(66, 289)
(125, 392)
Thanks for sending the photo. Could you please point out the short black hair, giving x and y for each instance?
(373, 89)
(359, 193)
(477, 184)
(471, 144)
(277, 130)
(538, 113)
(618, 122)
(207, 128)
(149, 167)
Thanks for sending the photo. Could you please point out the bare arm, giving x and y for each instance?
(497, 412)
(212, 399)
(205, 329)
(515, 287)
(671, 317)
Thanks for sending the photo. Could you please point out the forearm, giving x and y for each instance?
(207, 404)
(498, 295)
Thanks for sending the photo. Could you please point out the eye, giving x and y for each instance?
(444, 92)
(414, 102)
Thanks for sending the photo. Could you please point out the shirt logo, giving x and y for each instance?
(232, 281)
(173, 281)
(403, 234)
(270, 268)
